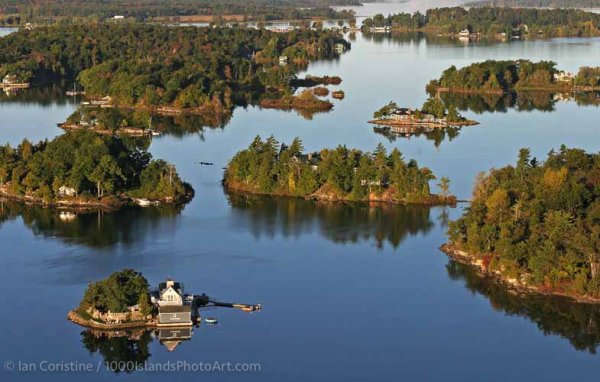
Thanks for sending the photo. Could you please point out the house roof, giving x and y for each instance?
(402, 111)
(176, 286)
(174, 309)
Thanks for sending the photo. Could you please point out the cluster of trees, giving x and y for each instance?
(91, 165)
(538, 220)
(498, 76)
(117, 292)
(266, 167)
(494, 20)
(587, 77)
(17, 12)
(153, 65)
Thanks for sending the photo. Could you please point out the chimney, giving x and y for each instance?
(170, 283)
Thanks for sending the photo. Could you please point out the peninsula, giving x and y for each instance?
(498, 77)
(339, 174)
(167, 70)
(535, 226)
(124, 300)
(83, 170)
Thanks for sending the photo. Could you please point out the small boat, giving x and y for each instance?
(210, 320)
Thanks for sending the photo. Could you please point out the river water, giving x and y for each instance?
(349, 292)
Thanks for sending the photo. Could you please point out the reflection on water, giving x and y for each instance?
(93, 229)
(42, 96)
(434, 134)
(523, 101)
(578, 323)
(120, 350)
(128, 350)
(342, 223)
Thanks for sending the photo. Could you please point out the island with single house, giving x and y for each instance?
(124, 300)
(433, 115)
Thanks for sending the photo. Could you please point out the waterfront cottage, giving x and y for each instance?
(402, 114)
(173, 309)
(10, 79)
(564, 76)
(171, 293)
(67, 191)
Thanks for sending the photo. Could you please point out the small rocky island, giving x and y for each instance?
(339, 174)
(84, 170)
(433, 114)
(124, 300)
(536, 226)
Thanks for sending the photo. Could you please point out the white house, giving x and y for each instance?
(564, 77)
(67, 191)
(170, 294)
(10, 79)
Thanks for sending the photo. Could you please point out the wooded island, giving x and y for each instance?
(535, 225)
(497, 77)
(83, 169)
(266, 167)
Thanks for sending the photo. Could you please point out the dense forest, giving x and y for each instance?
(492, 21)
(148, 66)
(19, 12)
(503, 76)
(84, 166)
(266, 167)
(538, 223)
(116, 293)
(536, 3)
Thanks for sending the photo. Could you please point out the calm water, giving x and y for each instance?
(349, 292)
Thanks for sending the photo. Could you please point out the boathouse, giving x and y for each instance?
(174, 315)
(173, 309)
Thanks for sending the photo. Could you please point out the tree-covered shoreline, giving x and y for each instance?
(83, 169)
(493, 21)
(266, 167)
(536, 225)
(498, 77)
